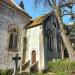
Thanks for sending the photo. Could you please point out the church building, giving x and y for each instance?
(43, 43)
(35, 41)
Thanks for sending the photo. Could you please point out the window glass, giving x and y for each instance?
(15, 41)
(11, 41)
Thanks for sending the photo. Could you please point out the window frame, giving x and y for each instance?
(14, 33)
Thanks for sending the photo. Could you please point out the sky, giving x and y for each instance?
(31, 10)
(34, 12)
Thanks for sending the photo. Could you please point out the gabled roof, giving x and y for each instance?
(39, 20)
(16, 6)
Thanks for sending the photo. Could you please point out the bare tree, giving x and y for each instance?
(61, 8)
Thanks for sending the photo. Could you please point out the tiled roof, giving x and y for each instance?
(39, 20)
(36, 21)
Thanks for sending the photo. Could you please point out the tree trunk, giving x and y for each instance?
(65, 38)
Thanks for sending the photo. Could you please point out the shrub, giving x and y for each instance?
(62, 66)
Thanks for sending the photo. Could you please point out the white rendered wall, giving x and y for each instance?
(35, 42)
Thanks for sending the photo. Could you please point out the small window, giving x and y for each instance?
(13, 39)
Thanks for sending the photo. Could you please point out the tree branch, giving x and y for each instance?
(67, 4)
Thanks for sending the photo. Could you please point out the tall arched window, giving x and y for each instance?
(13, 39)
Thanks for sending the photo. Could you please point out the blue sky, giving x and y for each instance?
(29, 8)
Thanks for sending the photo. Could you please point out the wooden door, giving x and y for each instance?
(33, 57)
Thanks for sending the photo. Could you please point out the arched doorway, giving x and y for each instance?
(33, 56)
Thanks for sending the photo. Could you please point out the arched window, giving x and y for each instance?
(13, 39)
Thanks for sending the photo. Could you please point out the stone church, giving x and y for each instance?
(43, 43)
(36, 41)
(13, 20)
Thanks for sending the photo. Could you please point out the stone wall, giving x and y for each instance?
(10, 16)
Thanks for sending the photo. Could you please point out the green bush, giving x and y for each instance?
(62, 66)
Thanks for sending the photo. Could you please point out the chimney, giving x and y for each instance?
(21, 4)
